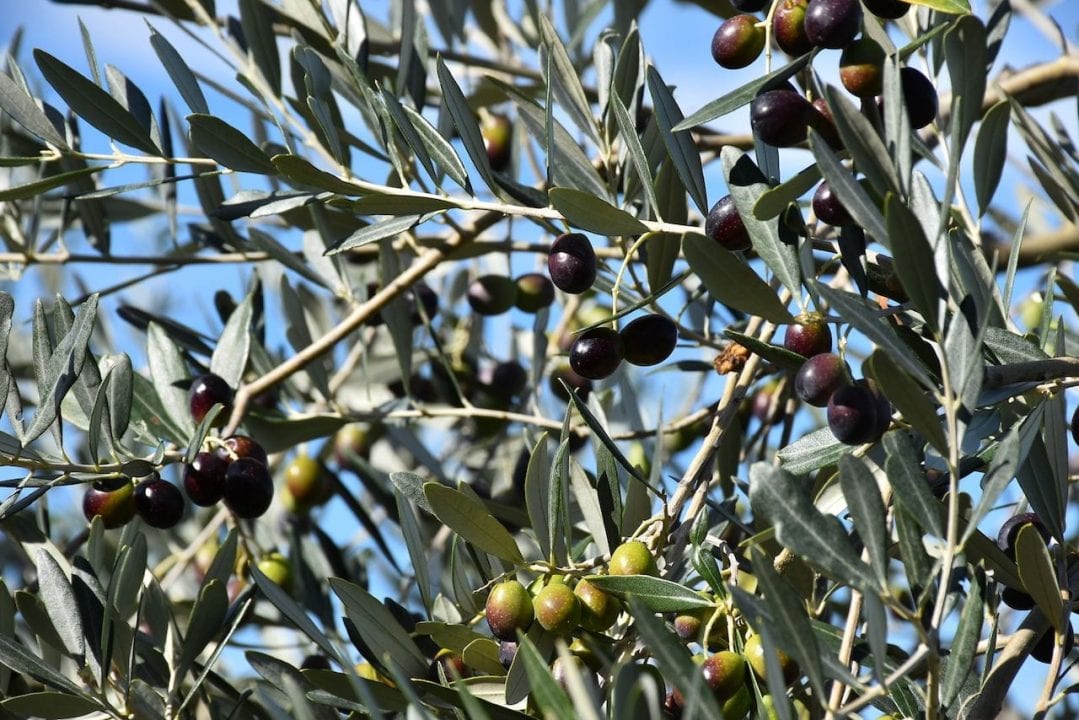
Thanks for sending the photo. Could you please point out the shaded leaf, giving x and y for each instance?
(23, 110)
(227, 145)
(657, 594)
(585, 211)
(904, 468)
(800, 526)
(471, 520)
(680, 146)
(731, 281)
(382, 633)
(93, 104)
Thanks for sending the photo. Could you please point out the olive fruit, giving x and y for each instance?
(1009, 531)
(725, 226)
(277, 568)
(819, 377)
(241, 446)
(557, 609)
(632, 558)
(688, 624)
(452, 666)
(822, 120)
(828, 208)
(509, 609)
(833, 23)
(579, 384)
(649, 339)
(158, 502)
(497, 132)
(535, 291)
(207, 391)
(1043, 649)
(861, 68)
(884, 410)
(808, 336)
(248, 488)
(919, 96)
(1016, 599)
(780, 117)
(508, 380)
(788, 27)
(204, 478)
(887, 9)
(738, 42)
(352, 440)
(753, 650)
(852, 413)
(428, 300)
(801, 712)
(507, 651)
(596, 353)
(737, 706)
(308, 482)
(315, 662)
(749, 5)
(599, 610)
(1075, 426)
(725, 673)
(492, 294)
(111, 500)
(572, 263)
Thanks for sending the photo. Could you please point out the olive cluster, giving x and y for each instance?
(858, 412)
(1042, 651)
(782, 116)
(234, 471)
(560, 606)
(598, 351)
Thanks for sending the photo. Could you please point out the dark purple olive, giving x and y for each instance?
(492, 294)
(428, 301)
(780, 117)
(204, 478)
(725, 226)
(828, 208)
(833, 23)
(158, 502)
(1016, 599)
(788, 27)
(887, 9)
(749, 5)
(1009, 531)
(737, 42)
(596, 353)
(823, 122)
(207, 391)
(809, 336)
(241, 446)
(819, 377)
(1075, 426)
(248, 488)
(508, 380)
(920, 97)
(852, 414)
(649, 340)
(572, 263)
(1043, 649)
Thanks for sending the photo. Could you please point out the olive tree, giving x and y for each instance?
(541, 393)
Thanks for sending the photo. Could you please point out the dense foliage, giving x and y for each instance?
(513, 417)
